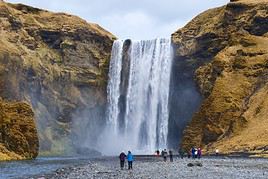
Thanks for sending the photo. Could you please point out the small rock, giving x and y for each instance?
(199, 164)
(190, 165)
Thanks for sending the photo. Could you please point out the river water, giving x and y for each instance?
(42, 165)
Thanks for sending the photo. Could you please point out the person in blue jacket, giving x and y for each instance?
(193, 152)
(130, 159)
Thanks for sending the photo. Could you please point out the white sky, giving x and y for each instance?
(135, 19)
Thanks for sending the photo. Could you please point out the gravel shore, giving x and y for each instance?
(156, 168)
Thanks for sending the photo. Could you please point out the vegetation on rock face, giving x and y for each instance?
(18, 134)
(230, 44)
(56, 62)
(59, 64)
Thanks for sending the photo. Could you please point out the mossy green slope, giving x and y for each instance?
(18, 134)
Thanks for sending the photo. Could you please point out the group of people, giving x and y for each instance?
(165, 154)
(129, 158)
(193, 152)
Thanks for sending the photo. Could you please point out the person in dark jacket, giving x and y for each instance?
(189, 153)
(122, 158)
(164, 154)
(199, 153)
(130, 159)
(157, 153)
(170, 155)
(181, 152)
(193, 152)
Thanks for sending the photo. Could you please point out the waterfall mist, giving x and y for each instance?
(138, 93)
(87, 126)
(150, 99)
(185, 98)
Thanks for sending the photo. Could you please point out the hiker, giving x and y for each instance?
(199, 153)
(157, 153)
(181, 153)
(122, 158)
(130, 159)
(170, 155)
(164, 154)
(189, 153)
(217, 152)
(193, 152)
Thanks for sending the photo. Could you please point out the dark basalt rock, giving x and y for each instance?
(195, 164)
(124, 82)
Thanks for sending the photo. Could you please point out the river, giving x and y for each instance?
(41, 165)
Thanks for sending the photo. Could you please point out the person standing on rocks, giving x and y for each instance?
(122, 158)
(170, 155)
(157, 153)
(199, 153)
(217, 152)
(193, 152)
(130, 159)
(181, 153)
(164, 154)
(189, 153)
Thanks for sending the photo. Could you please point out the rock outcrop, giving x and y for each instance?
(59, 64)
(228, 47)
(18, 134)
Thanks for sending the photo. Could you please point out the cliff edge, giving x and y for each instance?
(59, 64)
(229, 46)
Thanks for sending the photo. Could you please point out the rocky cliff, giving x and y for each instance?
(58, 63)
(18, 134)
(228, 49)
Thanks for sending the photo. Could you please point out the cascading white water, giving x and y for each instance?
(138, 107)
(114, 83)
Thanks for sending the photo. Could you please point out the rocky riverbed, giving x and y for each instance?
(156, 168)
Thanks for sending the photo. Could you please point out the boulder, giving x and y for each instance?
(195, 164)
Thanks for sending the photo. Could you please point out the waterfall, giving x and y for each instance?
(114, 82)
(138, 92)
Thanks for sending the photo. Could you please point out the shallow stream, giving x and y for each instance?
(42, 165)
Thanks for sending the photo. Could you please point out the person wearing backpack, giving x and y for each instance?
(122, 158)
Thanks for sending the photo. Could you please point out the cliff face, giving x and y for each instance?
(59, 64)
(229, 48)
(18, 134)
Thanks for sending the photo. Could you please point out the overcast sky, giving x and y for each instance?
(135, 19)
